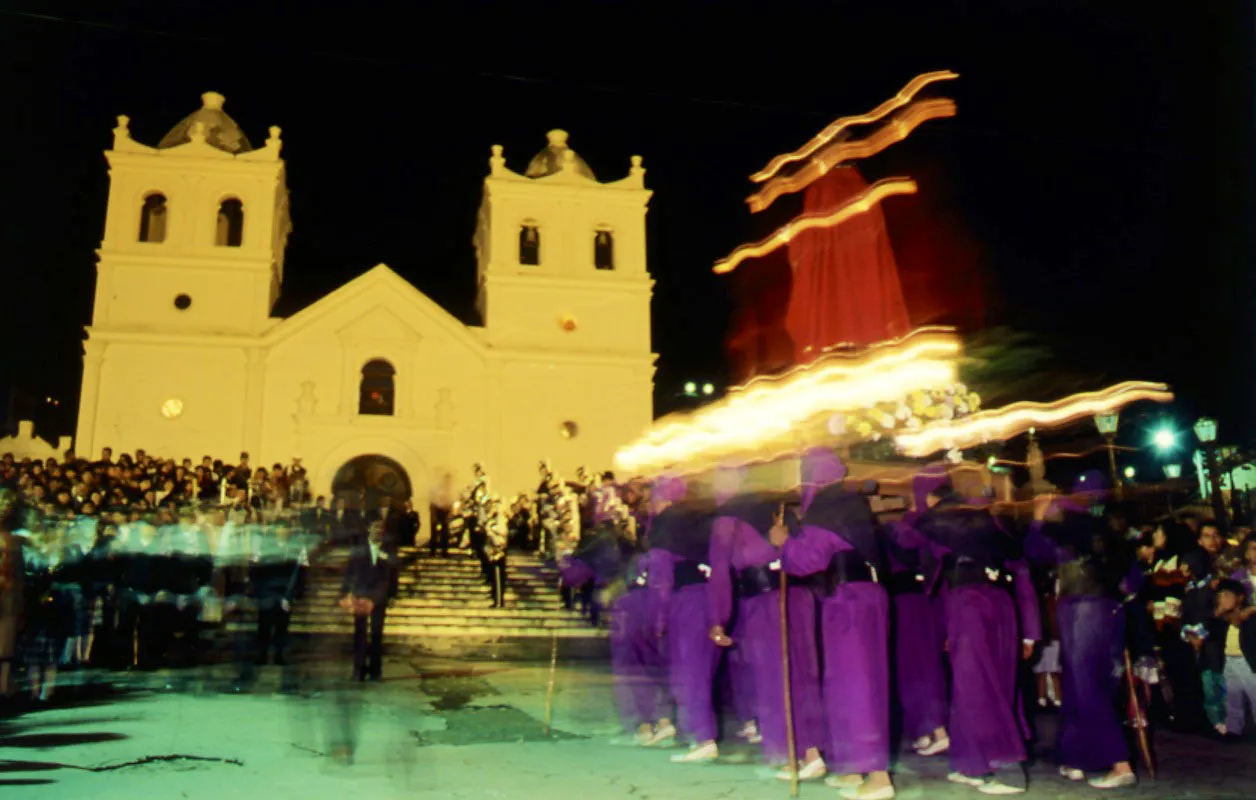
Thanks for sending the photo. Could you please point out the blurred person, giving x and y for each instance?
(745, 584)
(837, 537)
(12, 588)
(43, 634)
(275, 576)
(679, 544)
(992, 621)
(1088, 555)
(919, 672)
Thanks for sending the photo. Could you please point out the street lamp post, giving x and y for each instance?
(1106, 422)
(1206, 432)
(1172, 472)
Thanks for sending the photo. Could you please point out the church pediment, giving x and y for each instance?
(379, 324)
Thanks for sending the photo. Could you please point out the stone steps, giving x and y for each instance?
(446, 599)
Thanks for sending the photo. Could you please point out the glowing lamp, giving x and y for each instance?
(1164, 439)
(708, 389)
(1173, 471)
(1106, 422)
(1130, 472)
(691, 389)
(1206, 430)
(991, 461)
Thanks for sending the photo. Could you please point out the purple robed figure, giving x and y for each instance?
(637, 652)
(991, 610)
(679, 541)
(919, 674)
(741, 554)
(1092, 639)
(838, 537)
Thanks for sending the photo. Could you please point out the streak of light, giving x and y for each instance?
(1005, 423)
(859, 204)
(838, 153)
(904, 96)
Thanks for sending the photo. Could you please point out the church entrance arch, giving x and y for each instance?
(364, 480)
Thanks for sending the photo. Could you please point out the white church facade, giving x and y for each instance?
(184, 359)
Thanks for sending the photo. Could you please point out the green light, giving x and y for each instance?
(1164, 439)
(1130, 472)
(691, 388)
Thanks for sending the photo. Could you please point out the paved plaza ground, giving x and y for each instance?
(437, 729)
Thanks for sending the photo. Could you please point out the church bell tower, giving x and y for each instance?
(195, 229)
(562, 259)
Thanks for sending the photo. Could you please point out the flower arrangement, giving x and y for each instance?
(908, 413)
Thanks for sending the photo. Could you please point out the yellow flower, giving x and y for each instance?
(864, 428)
(974, 401)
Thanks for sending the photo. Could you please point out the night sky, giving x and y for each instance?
(1095, 187)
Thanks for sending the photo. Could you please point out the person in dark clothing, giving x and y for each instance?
(367, 588)
(440, 531)
(275, 577)
(408, 523)
(1198, 682)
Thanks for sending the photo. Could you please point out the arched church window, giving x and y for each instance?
(377, 389)
(230, 231)
(604, 250)
(529, 244)
(153, 218)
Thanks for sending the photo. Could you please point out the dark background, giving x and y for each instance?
(1095, 188)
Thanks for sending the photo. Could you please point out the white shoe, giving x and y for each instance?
(996, 786)
(936, 748)
(811, 771)
(642, 738)
(1221, 728)
(961, 778)
(1110, 781)
(698, 755)
(661, 734)
(851, 781)
(921, 743)
(750, 732)
(1072, 774)
(860, 793)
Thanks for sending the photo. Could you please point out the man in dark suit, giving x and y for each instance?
(409, 524)
(346, 524)
(367, 588)
(316, 520)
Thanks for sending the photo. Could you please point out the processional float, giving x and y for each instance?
(860, 374)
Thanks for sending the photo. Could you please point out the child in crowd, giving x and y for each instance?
(1239, 634)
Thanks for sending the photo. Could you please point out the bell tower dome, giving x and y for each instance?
(195, 229)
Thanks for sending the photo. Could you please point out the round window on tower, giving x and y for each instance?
(569, 429)
(182, 302)
(172, 408)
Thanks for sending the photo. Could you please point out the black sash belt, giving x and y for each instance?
(847, 567)
(688, 573)
(754, 581)
(1081, 578)
(905, 582)
(974, 573)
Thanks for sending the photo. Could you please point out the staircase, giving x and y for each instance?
(444, 606)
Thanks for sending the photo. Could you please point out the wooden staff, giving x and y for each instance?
(791, 745)
(553, 674)
(1140, 720)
